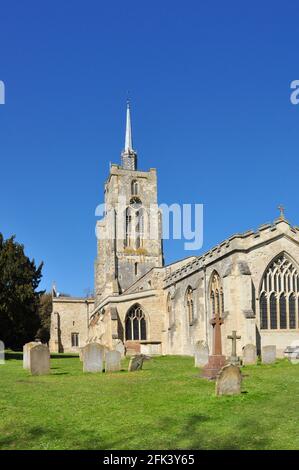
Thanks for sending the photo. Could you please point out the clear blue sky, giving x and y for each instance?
(209, 85)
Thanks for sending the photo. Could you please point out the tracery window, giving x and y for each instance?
(216, 295)
(190, 305)
(279, 296)
(135, 324)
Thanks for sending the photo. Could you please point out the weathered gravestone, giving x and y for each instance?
(234, 359)
(201, 354)
(228, 381)
(268, 354)
(93, 357)
(294, 357)
(249, 354)
(120, 348)
(2, 353)
(26, 353)
(136, 362)
(112, 361)
(39, 359)
(81, 354)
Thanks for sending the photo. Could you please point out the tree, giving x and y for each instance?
(44, 313)
(19, 299)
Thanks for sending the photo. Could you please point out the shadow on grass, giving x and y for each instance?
(245, 434)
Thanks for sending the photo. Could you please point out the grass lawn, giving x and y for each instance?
(164, 406)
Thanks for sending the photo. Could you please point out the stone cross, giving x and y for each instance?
(216, 322)
(234, 338)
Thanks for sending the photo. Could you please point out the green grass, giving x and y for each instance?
(164, 406)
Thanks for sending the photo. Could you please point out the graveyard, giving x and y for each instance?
(165, 405)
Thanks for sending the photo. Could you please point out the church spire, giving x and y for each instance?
(129, 156)
(128, 141)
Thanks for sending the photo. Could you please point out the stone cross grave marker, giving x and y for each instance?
(201, 354)
(39, 359)
(228, 381)
(234, 358)
(112, 361)
(93, 357)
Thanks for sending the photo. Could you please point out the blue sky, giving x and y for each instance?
(210, 90)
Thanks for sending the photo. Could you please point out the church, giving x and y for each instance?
(249, 281)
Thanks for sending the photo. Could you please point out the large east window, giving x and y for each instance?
(279, 296)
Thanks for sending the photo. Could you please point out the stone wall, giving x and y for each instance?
(69, 315)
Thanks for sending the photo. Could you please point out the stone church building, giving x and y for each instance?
(250, 280)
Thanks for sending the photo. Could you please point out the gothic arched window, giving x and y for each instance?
(128, 229)
(216, 295)
(135, 324)
(190, 305)
(139, 219)
(279, 295)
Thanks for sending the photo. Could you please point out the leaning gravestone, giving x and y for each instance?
(120, 348)
(2, 353)
(136, 362)
(268, 354)
(112, 361)
(26, 353)
(201, 354)
(39, 359)
(228, 381)
(249, 354)
(93, 357)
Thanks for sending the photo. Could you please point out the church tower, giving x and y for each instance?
(129, 235)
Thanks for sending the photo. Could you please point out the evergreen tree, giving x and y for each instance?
(19, 299)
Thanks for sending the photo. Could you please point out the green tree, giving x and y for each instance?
(19, 298)
(44, 313)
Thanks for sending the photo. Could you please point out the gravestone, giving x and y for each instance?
(81, 353)
(292, 352)
(249, 354)
(234, 359)
(2, 353)
(294, 357)
(136, 362)
(228, 381)
(112, 361)
(268, 354)
(201, 354)
(93, 357)
(120, 348)
(39, 359)
(26, 353)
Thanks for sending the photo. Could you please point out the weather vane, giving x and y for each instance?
(281, 210)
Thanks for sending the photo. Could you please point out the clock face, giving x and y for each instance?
(135, 203)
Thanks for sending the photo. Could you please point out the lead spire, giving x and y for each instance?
(128, 141)
(129, 156)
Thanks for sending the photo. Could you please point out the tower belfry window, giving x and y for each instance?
(134, 188)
